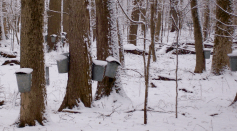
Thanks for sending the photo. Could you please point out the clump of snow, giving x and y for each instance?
(234, 53)
(112, 59)
(99, 62)
(60, 57)
(24, 71)
(53, 35)
(129, 47)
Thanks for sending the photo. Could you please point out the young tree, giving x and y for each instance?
(200, 60)
(107, 45)
(79, 78)
(32, 56)
(54, 22)
(223, 36)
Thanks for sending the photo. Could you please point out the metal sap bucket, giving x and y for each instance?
(111, 67)
(47, 73)
(23, 77)
(207, 53)
(62, 63)
(98, 68)
(233, 61)
(45, 38)
(53, 38)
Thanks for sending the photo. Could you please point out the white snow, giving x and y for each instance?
(24, 70)
(54, 35)
(234, 53)
(111, 59)
(99, 62)
(60, 57)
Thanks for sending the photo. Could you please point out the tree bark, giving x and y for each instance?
(54, 22)
(79, 78)
(107, 44)
(134, 26)
(152, 29)
(206, 25)
(158, 22)
(223, 37)
(174, 14)
(32, 56)
(66, 16)
(200, 60)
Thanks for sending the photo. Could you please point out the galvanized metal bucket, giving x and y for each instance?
(53, 38)
(98, 68)
(111, 67)
(233, 61)
(45, 38)
(24, 77)
(207, 53)
(63, 64)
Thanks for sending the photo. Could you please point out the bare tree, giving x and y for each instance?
(54, 22)
(206, 25)
(107, 45)
(79, 78)
(32, 56)
(223, 36)
(200, 60)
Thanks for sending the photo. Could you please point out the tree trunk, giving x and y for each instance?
(174, 14)
(66, 16)
(107, 44)
(133, 26)
(200, 60)
(206, 25)
(152, 29)
(79, 78)
(158, 22)
(223, 37)
(32, 56)
(54, 22)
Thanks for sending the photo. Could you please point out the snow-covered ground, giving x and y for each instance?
(203, 103)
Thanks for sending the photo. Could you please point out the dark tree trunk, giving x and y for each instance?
(200, 60)
(152, 29)
(65, 16)
(223, 37)
(174, 14)
(32, 56)
(134, 26)
(206, 25)
(54, 22)
(107, 44)
(79, 78)
(158, 22)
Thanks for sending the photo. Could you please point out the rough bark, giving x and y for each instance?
(32, 56)
(223, 37)
(107, 44)
(79, 79)
(200, 60)
(152, 29)
(54, 22)
(174, 14)
(206, 25)
(158, 22)
(66, 16)
(134, 26)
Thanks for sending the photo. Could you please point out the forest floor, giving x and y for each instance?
(203, 100)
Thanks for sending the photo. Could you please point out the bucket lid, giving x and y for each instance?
(53, 35)
(112, 59)
(99, 62)
(24, 71)
(234, 53)
(60, 57)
